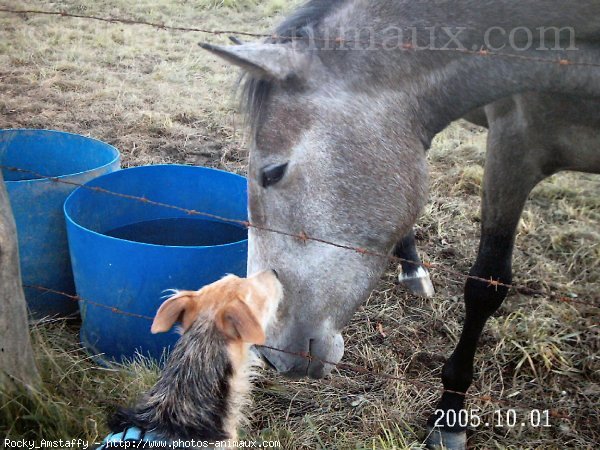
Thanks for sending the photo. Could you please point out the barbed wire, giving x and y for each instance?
(77, 298)
(160, 26)
(339, 40)
(552, 412)
(303, 237)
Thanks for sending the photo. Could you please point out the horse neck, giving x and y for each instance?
(445, 85)
(464, 83)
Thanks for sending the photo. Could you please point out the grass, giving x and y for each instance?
(159, 99)
(76, 393)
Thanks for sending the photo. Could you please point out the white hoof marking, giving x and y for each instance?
(438, 439)
(419, 283)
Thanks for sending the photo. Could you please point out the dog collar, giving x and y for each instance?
(133, 434)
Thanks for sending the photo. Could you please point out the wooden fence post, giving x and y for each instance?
(16, 355)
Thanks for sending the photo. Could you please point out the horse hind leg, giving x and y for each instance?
(412, 275)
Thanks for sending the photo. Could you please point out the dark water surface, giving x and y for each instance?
(181, 232)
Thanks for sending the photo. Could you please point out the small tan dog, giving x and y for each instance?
(206, 382)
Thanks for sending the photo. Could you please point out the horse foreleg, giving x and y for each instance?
(412, 274)
(510, 174)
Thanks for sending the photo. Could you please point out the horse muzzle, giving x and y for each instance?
(312, 357)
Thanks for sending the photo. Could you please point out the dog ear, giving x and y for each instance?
(182, 307)
(237, 322)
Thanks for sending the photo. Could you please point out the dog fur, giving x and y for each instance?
(204, 388)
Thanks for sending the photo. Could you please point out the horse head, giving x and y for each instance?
(329, 160)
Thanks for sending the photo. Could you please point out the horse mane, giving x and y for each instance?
(255, 91)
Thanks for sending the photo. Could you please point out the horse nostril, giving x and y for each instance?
(275, 273)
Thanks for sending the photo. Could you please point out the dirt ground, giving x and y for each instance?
(158, 98)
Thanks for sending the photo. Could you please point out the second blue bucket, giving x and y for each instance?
(126, 253)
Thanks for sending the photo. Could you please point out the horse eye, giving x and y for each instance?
(272, 173)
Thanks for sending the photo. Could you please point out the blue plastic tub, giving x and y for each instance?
(125, 253)
(37, 204)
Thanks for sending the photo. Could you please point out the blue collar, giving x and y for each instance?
(133, 434)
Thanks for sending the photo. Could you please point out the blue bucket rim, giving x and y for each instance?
(116, 154)
(87, 230)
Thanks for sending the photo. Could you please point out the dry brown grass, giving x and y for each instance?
(156, 97)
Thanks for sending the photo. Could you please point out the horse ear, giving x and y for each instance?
(237, 322)
(266, 61)
(181, 307)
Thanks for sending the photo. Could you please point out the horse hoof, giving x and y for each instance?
(438, 439)
(419, 283)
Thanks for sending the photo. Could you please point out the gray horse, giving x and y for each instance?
(343, 109)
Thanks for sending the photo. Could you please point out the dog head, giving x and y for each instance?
(242, 308)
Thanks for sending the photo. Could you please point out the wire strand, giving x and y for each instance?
(303, 237)
(483, 52)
